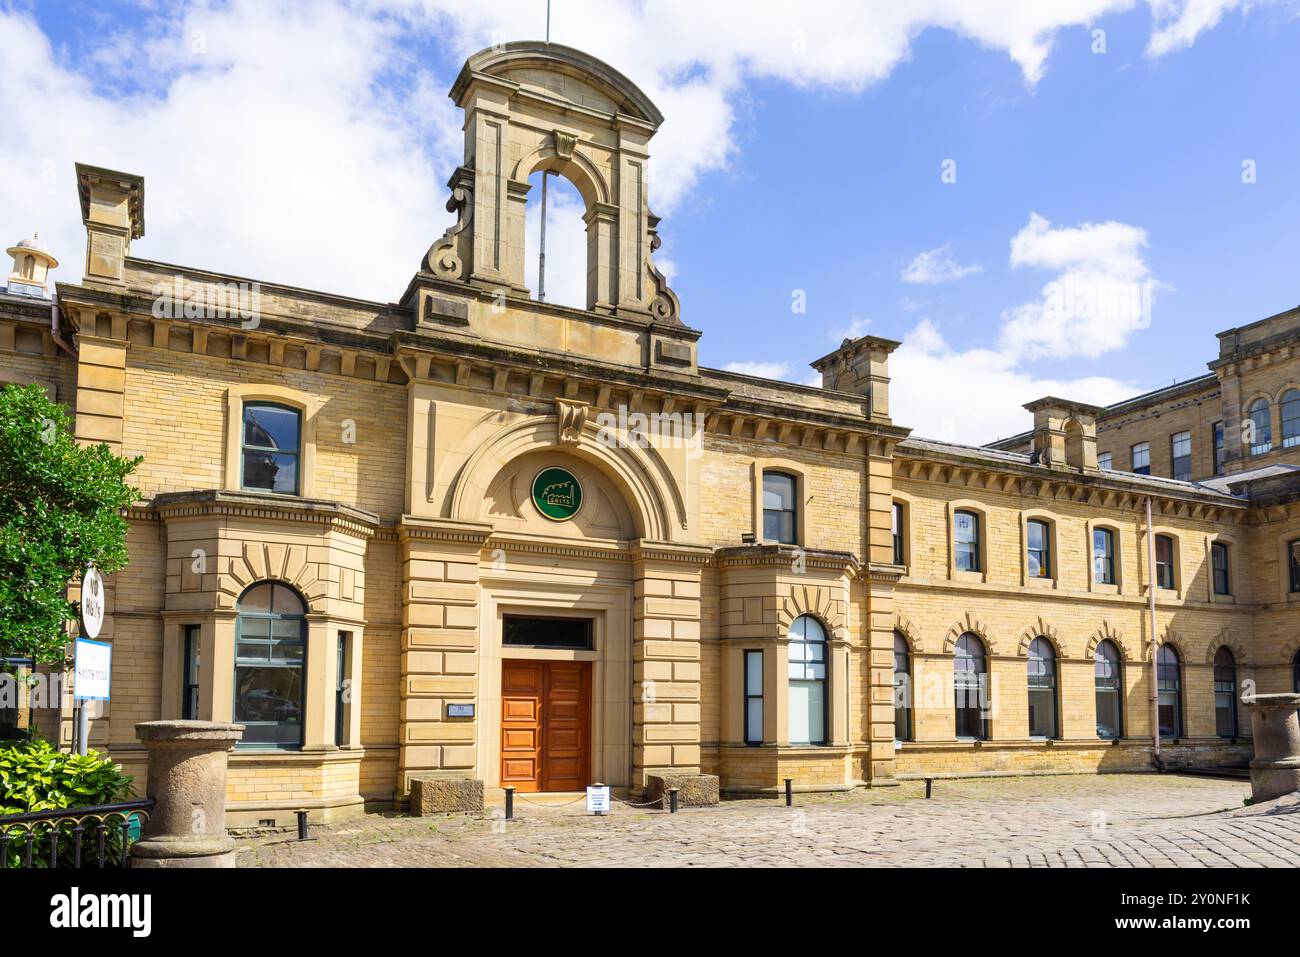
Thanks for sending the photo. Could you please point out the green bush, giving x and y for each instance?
(35, 776)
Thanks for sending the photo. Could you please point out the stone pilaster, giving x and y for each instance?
(666, 659)
(440, 644)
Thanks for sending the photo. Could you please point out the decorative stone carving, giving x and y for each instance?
(564, 144)
(572, 416)
(445, 258)
(664, 304)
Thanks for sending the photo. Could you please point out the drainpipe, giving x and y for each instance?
(56, 329)
(1155, 668)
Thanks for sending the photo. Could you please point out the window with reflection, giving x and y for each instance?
(1105, 461)
(970, 687)
(1295, 673)
(1164, 562)
(966, 540)
(896, 527)
(780, 520)
(1140, 456)
(270, 651)
(902, 689)
(190, 674)
(1290, 418)
(1038, 536)
(1043, 718)
(1219, 568)
(1225, 693)
(1103, 556)
(1109, 691)
(270, 453)
(1169, 687)
(753, 698)
(1220, 451)
(807, 678)
(1293, 559)
(1260, 433)
(1180, 451)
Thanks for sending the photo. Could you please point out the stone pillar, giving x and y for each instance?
(1276, 729)
(187, 781)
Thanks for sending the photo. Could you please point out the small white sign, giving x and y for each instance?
(92, 602)
(93, 667)
(598, 799)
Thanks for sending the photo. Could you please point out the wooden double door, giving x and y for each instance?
(546, 725)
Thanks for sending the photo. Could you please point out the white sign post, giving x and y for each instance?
(598, 799)
(93, 660)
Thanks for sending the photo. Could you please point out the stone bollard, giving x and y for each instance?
(187, 781)
(1276, 728)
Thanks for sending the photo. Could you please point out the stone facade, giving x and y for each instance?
(412, 532)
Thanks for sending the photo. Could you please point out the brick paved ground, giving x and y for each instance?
(1067, 821)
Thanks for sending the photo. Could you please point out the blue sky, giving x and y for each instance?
(798, 155)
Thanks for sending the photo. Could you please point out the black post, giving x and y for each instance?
(302, 825)
(789, 792)
(672, 800)
(510, 803)
(929, 783)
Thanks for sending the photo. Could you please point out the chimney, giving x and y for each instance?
(1065, 433)
(860, 366)
(32, 265)
(112, 208)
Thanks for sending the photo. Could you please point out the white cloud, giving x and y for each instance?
(936, 266)
(311, 145)
(1177, 23)
(764, 370)
(975, 396)
(856, 329)
(1103, 291)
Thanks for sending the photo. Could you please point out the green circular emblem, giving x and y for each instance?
(557, 494)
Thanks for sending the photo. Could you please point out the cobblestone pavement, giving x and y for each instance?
(1068, 821)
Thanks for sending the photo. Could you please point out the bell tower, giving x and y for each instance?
(532, 106)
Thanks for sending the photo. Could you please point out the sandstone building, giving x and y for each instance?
(472, 534)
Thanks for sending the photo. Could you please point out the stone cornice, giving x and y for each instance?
(557, 546)
(346, 518)
(648, 551)
(766, 555)
(443, 530)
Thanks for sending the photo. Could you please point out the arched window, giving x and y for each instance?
(270, 651)
(1225, 693)
(1110, 696)
(807, 681)
(780, 513)
(1290, 418)
(271, 448)
(1043, 721)
(1260, 438)
(902, 689)
(1165, 577)
(966, 540)
(1169, 681)
(970, 687)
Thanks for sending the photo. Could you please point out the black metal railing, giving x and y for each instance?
(99, 836)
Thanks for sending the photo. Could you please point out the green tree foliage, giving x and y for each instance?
(60, 508)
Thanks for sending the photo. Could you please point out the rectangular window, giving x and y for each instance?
(1294, 550)
(1219, 561)
(897, 528)
(1103, 556)
(190, 674)
(753, 697)
(779, 518)
(1225, 703)
(1220, 453)
(1181, 453)
(270, 448)
(966, 541)
(572, 633)
(1165, 562)
(1105, 461)
(1039, 535)
(269, 668)
(341, 688)
(1141, 457)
